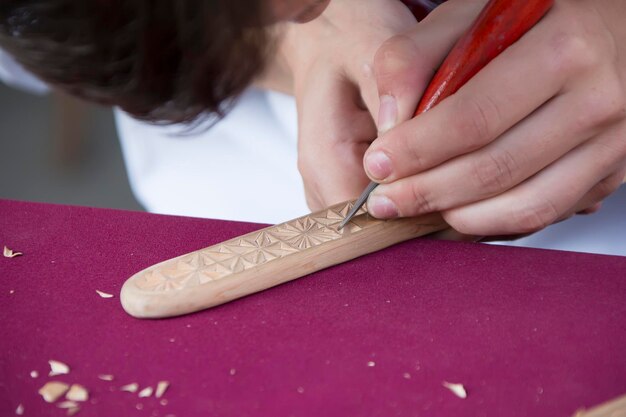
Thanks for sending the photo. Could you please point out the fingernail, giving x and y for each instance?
(381, 207)
(378, 165)
(387, 113)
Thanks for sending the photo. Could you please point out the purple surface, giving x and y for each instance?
(528, 332)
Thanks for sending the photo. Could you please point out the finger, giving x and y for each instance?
(589, 204)
(489, 104)
(522, 151)
(360, 67)
(404, 64)
(333, 134)
(592, 201)
(549, 195)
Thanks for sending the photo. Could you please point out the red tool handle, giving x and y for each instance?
(501, 23)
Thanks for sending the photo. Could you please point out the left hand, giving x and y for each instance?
(538, 135)
(330, 60)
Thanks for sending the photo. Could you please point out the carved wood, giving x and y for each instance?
(613, 408)
(262, 259)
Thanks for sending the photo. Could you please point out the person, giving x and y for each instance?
(534, 138)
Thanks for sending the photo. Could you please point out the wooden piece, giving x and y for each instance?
(264, 258)
(613, 408)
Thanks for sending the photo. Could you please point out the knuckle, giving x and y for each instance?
(407, 152)
(305, 166)
(602, 106)
(535, 216)
(607, 186)
(394, 57)
(613, 100)
(495, 172)
(600, 191)
(416, 158)
(571, 53)
(459, 222)
(419, 200)
(312, 202)
(608, 152)
(402, 146)
(475, 120)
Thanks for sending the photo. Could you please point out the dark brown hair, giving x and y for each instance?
(159, 60)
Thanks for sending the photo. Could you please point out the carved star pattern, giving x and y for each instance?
(188, 271)
(254, 249)
(248, 251)
(157, 281)
(305, 232)
(335, 215)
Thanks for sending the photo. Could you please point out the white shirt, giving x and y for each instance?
(244, 168)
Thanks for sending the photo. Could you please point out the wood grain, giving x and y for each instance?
(264, 258)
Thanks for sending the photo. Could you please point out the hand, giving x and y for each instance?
(331, 60)
(538, 135)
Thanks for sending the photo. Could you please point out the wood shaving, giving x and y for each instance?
(19, 410)
(53, 390)
(104, 294)
(77, 393)
(8, 253)
(34, 374)
(67, 404)
(105, 377)
(457, 389)
(162, 386)
(145, 393)
(130, 387)
(58, 368)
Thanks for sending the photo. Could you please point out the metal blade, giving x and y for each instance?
(358, 204)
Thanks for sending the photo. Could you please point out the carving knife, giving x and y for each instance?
(500, 24)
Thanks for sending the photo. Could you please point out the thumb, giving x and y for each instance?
(404, 64)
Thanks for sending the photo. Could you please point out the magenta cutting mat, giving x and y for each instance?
(528, 332)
